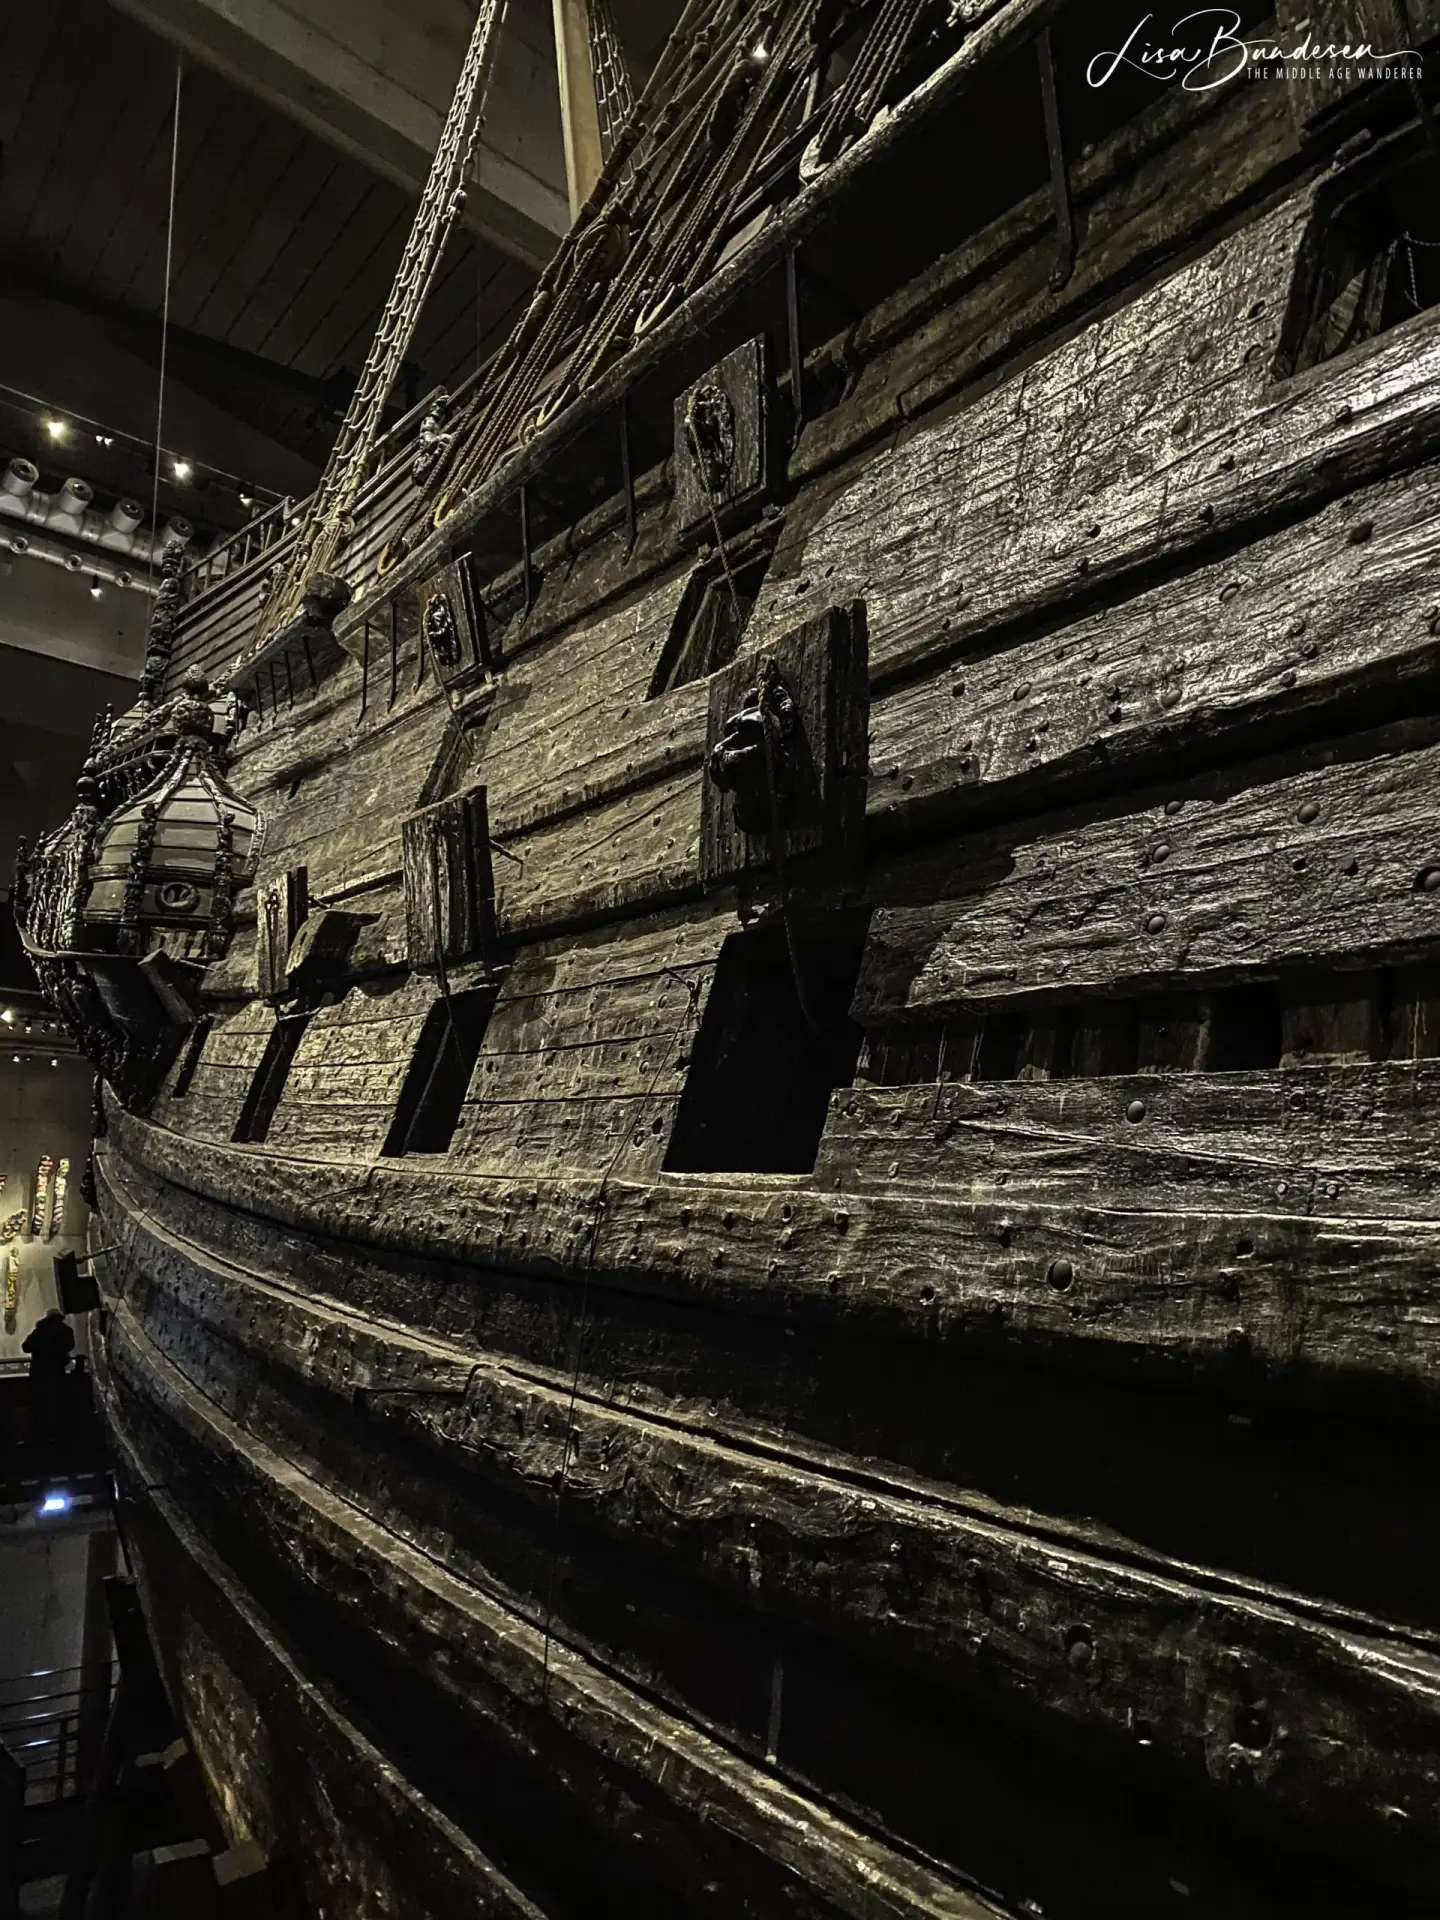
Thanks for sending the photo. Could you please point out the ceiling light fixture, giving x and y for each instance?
(182, 469)
(95, 587)
(57, 429)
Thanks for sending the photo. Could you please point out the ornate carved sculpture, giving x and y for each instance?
(754, 758)
(122, 905)
(710, 426)
(442, 635)
(433, 440)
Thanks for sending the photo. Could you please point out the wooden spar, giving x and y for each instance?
(579, 111)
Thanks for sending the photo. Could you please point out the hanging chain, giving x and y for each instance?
(1410, 242)
(326, 523)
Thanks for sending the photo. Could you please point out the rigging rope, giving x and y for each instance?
(610, 71)
(164, 329)
(325, 525)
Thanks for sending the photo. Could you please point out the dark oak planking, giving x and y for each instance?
(1266, 1303)
(280, 1757)
(1194, 1478)
(1286, 633)
(1353, 1142)
(788, 1854)
(962, 1594)
(1319, 860)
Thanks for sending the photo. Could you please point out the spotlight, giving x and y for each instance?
(104, 439)
(15, 1058)
(8, 1016)
(246, 496)
(57, 429)
(54, 1063)
(182, 469)
(95, 587)
(760, 53)
(55, 1503)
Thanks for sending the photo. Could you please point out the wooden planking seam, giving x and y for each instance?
(499, 1668)
(1351, 1141)
(1275, 865)
(473, 1876)
(1066, 743)
(1021, 1605)
(327, 1344)
(1274, 1304)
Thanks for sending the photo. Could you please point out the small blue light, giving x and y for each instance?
(55, 1503)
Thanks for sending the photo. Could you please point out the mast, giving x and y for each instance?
(326, 521)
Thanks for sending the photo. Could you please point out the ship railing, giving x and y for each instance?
(269, 537)
(52, 1724)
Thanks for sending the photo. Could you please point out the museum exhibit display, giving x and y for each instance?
(766, 1007)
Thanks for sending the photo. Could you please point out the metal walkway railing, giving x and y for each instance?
(52, 1724)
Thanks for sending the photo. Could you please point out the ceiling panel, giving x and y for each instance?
(282, 247)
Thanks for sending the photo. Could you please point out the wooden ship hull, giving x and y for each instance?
(881, 1361)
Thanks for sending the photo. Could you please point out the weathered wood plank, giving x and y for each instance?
(1306, 621)
(1285, 1497)
(1318, 860)
(980, 307)
(636, 850)
(962, 1593)
(1354, 1143)
(501, 1672)
(1266, 1303)
(293, 1775)
(1089, 465)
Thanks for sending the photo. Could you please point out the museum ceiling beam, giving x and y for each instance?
(375, 81)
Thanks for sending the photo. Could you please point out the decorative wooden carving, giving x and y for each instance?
(721, 435)
(433, 438)
(453, 625)
(788, 751)
(449, 884)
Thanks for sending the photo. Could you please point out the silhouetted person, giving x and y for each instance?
(49, 1345)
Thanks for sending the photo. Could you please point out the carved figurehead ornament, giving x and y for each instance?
(442, 634)
(433, 438)
(755, 755)
(710, 429)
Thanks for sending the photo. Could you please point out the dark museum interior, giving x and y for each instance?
(722, 965)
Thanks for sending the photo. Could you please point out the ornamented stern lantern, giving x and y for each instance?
(124, 904)
(165, 866)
